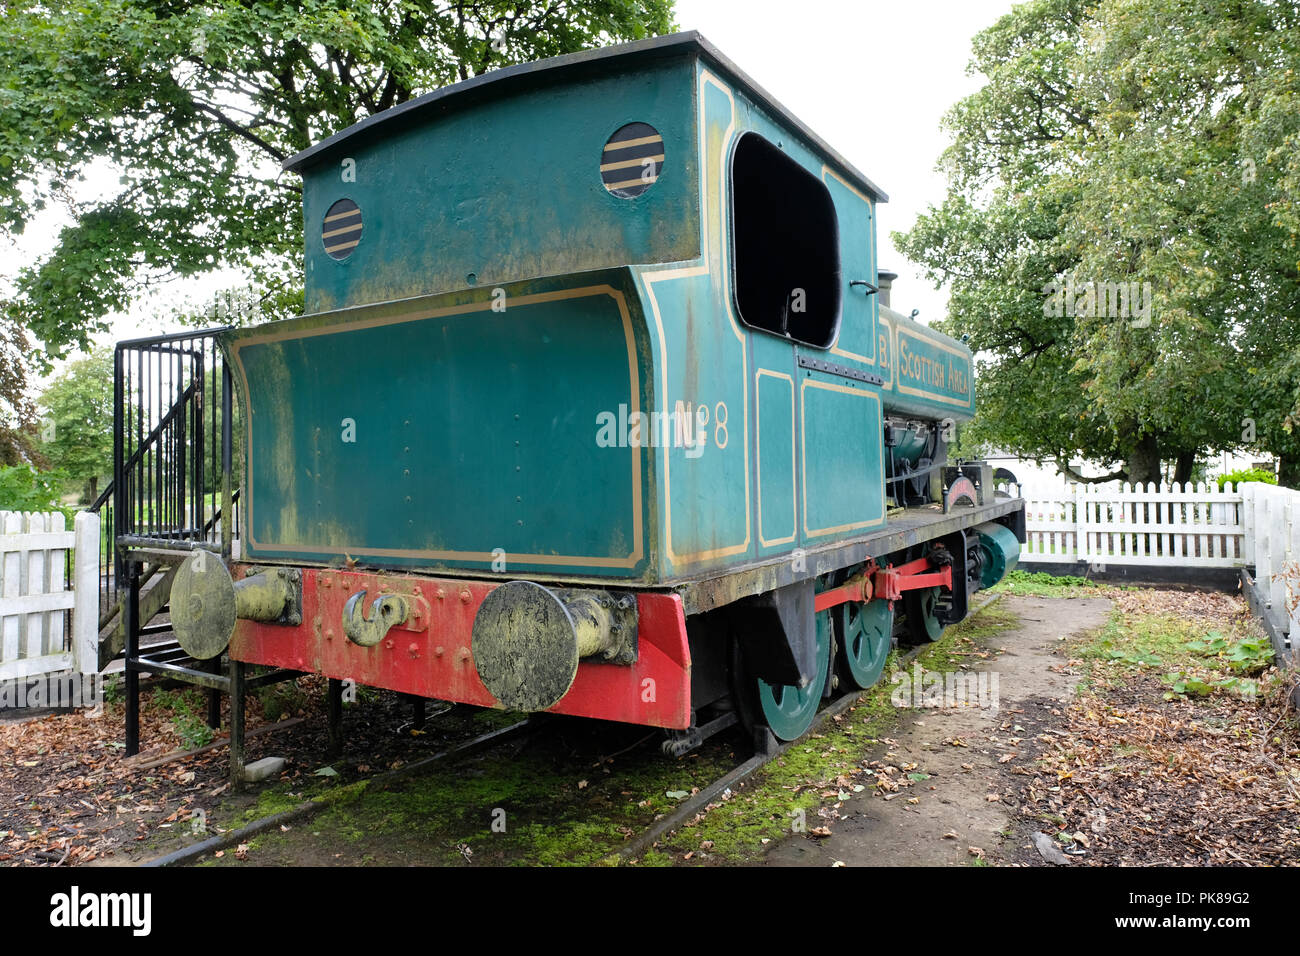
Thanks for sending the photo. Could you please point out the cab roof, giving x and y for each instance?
(506, 79)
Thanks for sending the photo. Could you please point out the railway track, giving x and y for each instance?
(633, 849)
(309, 808)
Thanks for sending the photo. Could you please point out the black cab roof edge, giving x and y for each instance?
(660, 44)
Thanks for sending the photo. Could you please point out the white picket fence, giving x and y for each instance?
(1271, 516)
(1171, 525)
(35, 599)
(1254, 526)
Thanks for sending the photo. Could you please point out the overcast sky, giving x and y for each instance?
(872, 78)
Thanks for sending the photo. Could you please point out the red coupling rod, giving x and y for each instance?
(890, 583)
(857, 588)
(886, 584)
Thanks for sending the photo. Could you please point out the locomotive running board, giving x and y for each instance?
(916, 526)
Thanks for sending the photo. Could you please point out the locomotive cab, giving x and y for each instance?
(596, 410)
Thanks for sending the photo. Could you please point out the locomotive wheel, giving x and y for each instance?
(922, 607)
(789, 709)
(865, 633)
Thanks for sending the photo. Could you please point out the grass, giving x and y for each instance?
(188, 710)
(1041, 584)
(1192, 660)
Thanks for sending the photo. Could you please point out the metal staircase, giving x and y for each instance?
(174, 484)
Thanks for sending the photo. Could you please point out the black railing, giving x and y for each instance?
(174, 473)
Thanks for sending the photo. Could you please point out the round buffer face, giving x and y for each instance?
(203, 606)
(525, 646)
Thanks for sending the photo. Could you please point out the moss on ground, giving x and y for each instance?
(813, 773)
(530, 802)
(505, 809)
(1040, 584)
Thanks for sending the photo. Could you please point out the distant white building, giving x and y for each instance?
(1035, 478)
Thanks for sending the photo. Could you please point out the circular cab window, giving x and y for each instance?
(341, 230)
(631, 160)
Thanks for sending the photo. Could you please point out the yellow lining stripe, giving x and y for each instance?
(625, 163)
(339, 232)
(343, 215)
(709, 252)
(804, 385)
(625, 143)
(632, 182)
(758, 443)
(638, 543)
(342, 246)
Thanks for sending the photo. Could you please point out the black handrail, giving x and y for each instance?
(170, 480)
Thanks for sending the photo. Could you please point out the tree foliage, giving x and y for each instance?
(76, 431)
(1145, 145)
(17, 414)
(23, 488)
(198, 103)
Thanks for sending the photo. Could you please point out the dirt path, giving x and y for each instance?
(967, 800)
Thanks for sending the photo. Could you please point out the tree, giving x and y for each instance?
(1117, 234)
(197, 104)
(23, 488)
(17, 415)
(77, 430)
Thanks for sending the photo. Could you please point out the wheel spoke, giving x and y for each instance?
(865, 634)
(790, 709)
(922, 609)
